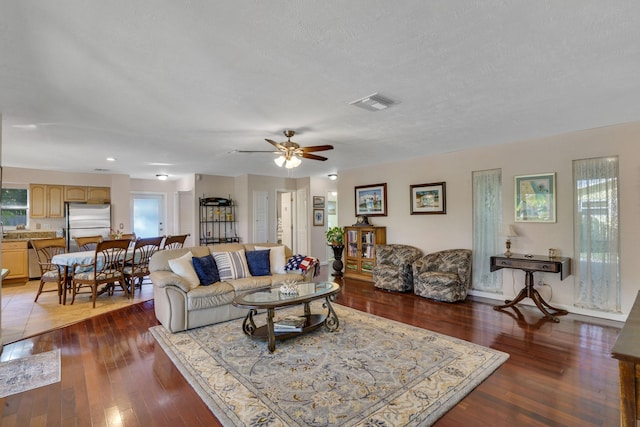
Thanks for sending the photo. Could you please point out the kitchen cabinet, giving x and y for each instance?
(15, 257)
(74, 193)
(81, 194)
(46, 201)
(98, 194)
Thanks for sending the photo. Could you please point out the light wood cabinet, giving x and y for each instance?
(98, 194)
(74, 193)
(80, 194)
(360, 250)
(46, 201)
(15, 257)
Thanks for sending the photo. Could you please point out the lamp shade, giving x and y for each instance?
(511, 231)
(279, 161)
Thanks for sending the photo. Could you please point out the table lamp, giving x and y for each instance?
(510, 232)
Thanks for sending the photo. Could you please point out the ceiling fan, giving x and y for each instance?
(290, 152)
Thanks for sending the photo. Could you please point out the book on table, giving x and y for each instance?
(289, 324)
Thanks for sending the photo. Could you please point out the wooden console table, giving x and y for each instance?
(530, 264)
(627, 351)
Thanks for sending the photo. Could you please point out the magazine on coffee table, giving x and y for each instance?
(289, 324)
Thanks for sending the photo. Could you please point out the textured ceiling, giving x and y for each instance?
(186, 83)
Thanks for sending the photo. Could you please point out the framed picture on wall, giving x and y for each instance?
(535, 198)
(371, 200)
(318, 201)
(318, 217)
(428, 198)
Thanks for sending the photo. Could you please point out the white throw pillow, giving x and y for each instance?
(183, 267)
(276, 258)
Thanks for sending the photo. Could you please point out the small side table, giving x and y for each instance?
(530, 264)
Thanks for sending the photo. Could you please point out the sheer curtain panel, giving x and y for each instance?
(596, 234)
(487, 228)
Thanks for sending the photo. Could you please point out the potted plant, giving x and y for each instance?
(335, 239)
(335, 236)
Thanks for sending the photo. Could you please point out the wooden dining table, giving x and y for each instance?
(69, 259)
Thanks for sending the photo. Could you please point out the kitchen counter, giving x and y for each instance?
(28, 234)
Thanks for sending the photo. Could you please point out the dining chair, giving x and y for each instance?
(137, 265)
(88, 243)
(50, 273)
(106, 269)
(128, 236)
(174, 242)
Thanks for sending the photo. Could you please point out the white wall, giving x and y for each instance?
(454, 230)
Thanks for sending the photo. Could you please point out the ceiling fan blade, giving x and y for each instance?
(275, 144)
(316, 148)
(313, 157)
(256, 151)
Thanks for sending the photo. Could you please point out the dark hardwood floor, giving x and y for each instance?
(114, 374)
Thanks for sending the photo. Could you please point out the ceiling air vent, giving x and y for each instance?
(373, 102)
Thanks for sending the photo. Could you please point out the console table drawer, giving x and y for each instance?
(528, 265)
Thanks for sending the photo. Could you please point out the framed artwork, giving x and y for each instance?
(331, 208)
(428, 199)
(318, 217)
(318, 201)
(535, 198)
(371, 200)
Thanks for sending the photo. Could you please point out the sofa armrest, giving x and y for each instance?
(163, 278)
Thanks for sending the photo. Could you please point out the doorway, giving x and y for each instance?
(285, 218)
(148, 214)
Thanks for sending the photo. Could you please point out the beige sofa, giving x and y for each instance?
(179, 307)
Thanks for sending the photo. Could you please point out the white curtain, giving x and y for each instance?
(596, 234)
(487, 227)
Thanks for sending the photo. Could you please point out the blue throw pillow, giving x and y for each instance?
(206, 269)
(259, 264)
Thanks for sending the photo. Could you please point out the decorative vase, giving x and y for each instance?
(337, 260)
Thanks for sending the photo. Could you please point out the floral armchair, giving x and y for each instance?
(443, 276)
(393, 270)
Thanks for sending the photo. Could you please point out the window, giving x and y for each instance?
(487, 227)
(596, 234)
(14, 206)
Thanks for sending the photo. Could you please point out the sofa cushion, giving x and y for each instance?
(258, 262)
(276, 258)
(232, 265)
(204, 297)
(250, 283)
(206, 270)
(183, 267)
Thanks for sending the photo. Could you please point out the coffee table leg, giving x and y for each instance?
(331, 322)
(248, 326)
(270, 333)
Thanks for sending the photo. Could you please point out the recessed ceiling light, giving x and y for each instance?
(158, 164)
(373, 102)
(162, 176)
(111, 159)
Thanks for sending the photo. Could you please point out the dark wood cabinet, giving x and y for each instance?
(360, 250)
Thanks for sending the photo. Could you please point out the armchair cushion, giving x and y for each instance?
(393, 270)
(443, 275)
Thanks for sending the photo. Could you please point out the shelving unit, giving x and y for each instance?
(217, 221)
(360, 250)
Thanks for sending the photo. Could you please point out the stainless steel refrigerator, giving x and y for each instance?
(86, 220)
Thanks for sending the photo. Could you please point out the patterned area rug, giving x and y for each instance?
(372, 371)
(29, 372)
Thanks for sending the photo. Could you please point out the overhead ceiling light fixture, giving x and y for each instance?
(162, 176)
(289, 160)
(373, 102)
(333, 176)
(111, 159)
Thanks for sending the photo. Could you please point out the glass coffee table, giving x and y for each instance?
(270, 299)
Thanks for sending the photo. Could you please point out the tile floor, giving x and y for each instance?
(22, 318)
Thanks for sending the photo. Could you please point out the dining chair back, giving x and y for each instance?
(105, 270)
(50, 273)
(137, 265)
(174, 242)
(88, 243)
(128, 236)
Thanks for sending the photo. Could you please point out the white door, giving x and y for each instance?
(260, 216)
(148, 214)
(301, 221)
(284, 228)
